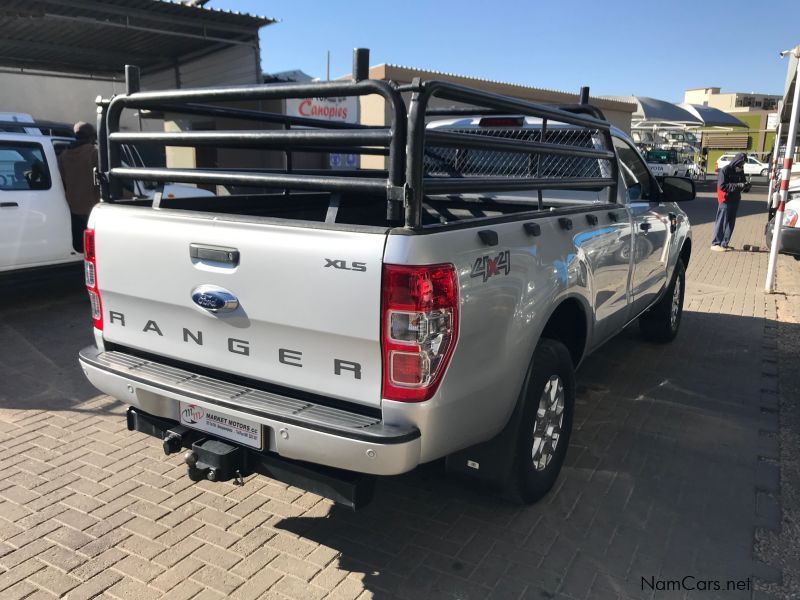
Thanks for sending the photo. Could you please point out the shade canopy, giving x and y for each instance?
(712, 117)
(652, 111)
(99, 37)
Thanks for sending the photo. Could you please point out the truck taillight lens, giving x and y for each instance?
(90, 273)
(419, 329)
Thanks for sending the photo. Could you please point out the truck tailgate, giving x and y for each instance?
(308, 314)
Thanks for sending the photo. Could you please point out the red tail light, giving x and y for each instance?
(419, 329)
(90, 273)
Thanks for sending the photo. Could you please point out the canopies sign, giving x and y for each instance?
(343, 109)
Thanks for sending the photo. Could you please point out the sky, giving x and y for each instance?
(616, 47)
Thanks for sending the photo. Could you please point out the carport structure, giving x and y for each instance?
(98, 37)
(56, 56)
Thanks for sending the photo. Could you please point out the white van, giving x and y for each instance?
(35, 222)
(35, 227)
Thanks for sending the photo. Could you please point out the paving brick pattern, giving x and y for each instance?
(672, 467)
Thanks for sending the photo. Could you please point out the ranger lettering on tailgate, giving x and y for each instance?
(237, 346)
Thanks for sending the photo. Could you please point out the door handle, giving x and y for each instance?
(214, 253)
(644, 226)
(8, 204)
(673, 222)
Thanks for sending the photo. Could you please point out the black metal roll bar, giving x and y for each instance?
(404, 142)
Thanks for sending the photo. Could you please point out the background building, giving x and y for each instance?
(731, 101)
(757, 111)
(374, 111)
(57, 56)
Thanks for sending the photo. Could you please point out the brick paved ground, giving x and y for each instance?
(673, 466)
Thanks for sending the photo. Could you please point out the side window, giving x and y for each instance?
(23, 167)
(635, 173)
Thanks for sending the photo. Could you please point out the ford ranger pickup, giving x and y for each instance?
(330, 326)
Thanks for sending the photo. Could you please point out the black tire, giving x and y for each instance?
(551, 360)
(659, 323)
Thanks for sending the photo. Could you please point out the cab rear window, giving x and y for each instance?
(23, 166)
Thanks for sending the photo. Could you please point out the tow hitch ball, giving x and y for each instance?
(197, 473)
(207, 458)
(215, 461)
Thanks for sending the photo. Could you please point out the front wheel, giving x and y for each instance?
(763, 172)
(546, 422)
(661, 322)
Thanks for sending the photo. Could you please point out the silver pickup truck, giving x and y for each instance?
(331, 325)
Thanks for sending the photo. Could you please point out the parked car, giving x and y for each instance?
(359, 323)
(752, 166)
(670, 163)
(790, 229)
(35, 224)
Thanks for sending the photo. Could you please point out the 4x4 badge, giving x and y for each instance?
(488, 266)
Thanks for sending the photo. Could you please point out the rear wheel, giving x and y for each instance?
(763, 172)
(661, 322)
(546, 422)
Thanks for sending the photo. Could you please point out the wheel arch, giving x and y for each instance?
(686, 252)
(569, 324)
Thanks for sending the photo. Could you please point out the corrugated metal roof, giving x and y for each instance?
(621, 103)
(101, 36)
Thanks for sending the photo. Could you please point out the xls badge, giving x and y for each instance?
(489, 266)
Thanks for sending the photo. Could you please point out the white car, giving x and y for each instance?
(35, 225)
(751, 165)
(790, 229)
(35, 222)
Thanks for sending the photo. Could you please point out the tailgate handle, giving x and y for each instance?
(220, 254)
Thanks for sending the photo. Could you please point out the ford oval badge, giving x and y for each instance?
(214, 299)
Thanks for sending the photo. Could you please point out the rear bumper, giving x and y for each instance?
(294, 428)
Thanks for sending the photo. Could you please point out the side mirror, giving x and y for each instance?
(677, 189)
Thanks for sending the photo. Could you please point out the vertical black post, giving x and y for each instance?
(132, 79)
(539, 193)
(584, 95)
(102, 148)
(360, 64)
(415, 151)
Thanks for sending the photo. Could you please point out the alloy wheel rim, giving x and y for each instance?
(676, 304)
(549, 420)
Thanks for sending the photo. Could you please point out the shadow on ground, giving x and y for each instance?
(660, 482)
(40, 336)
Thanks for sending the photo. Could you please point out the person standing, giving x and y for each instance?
(77, 164)
(730, 183)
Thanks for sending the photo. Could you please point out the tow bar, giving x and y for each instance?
(215, 460)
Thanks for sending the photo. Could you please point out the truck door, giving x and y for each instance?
(650, 227)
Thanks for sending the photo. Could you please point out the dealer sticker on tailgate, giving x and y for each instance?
(241, 431)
